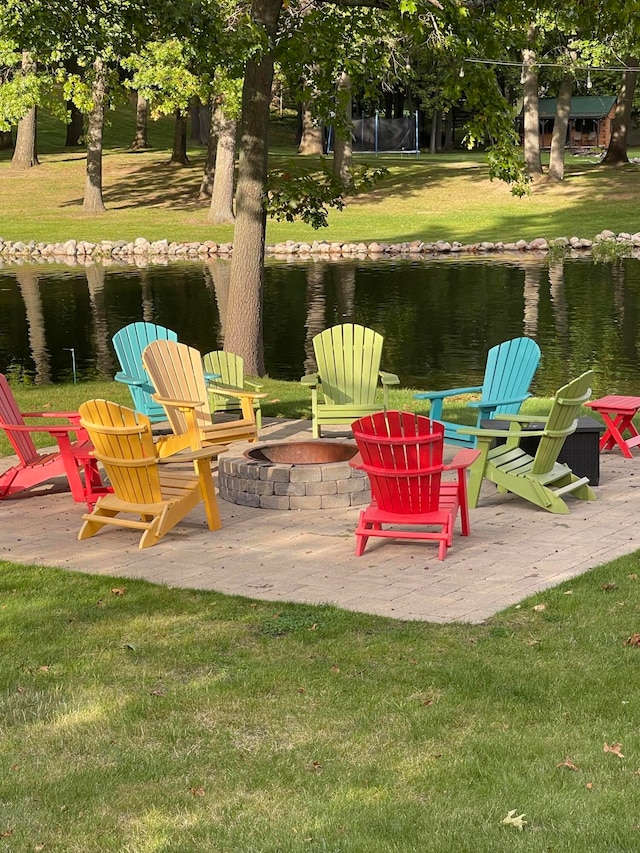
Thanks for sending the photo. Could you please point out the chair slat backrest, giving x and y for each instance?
(177, 373)
(10, 414)
(348, 361)
(402, 456)
(123, 442)
(509, 371)
(230, 367)
(562, 421)
(129, 344)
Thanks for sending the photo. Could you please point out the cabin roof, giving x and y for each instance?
(585, 106)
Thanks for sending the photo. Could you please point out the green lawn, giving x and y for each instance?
(140, 718)
(428, 197)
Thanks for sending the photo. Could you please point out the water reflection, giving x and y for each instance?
(438, 317)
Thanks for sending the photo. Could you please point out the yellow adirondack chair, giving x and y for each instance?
(178, 376)
(229, 367)
(159, 498)
(348, 360)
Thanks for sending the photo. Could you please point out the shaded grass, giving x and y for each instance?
(173, 720)
(446, 196)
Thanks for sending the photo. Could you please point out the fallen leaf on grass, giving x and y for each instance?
(197, 792)
(614, 749)
(6, 834)
(118, 590)
(540, 607)
(512, 819)
(316, 767)
(335, 668)
(589, 786)
(633, 577)
(157, 692)
(568, 763)
(633, 640)
(607, 587)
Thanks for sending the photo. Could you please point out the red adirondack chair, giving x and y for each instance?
(402, 454)
(35, 467)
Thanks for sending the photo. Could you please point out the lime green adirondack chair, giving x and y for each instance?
(228, 369)
(540, 479)
(344, 388)
(508, 373)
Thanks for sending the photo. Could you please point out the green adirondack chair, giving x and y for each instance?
(540, 479)
(508, 373)
(129, 344)
(228, 369)
(344, 388)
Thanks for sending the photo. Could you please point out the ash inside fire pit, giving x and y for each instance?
(296, 475)
(303, 452)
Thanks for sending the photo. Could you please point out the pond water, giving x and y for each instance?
(438, 317)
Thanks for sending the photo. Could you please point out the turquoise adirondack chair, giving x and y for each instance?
(540, 479)
(228, 369)
(508, 373)
(344, 388)
(129, 344)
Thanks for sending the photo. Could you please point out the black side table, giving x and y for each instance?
(581, 450)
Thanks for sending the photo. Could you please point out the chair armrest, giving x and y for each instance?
(210, 452)
(177, 404)
(501, 433)
(450, 392)
(52, 429)
(70, 416)
(253, 384)
(227, 391)
(311, 380)
(522, 419)
(129, 380)
(491, 404)
(388, 378)
(463, 459)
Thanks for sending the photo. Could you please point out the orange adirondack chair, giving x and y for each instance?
(34, 468)
(402, 454)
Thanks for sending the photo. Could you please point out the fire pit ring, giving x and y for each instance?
(312, 474)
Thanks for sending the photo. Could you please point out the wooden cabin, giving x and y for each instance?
(589, 121)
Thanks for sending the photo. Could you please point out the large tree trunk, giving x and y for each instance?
(343, 147)
(311, 139)
(530, 111)
(140, 138)
(206, 184)
(246, 287)
(560, 124)
(75, 126)
(179, 153)
(617, 151)
(93, 202)
(221, 209)
(25, 153)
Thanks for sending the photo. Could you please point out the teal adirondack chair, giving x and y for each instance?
(129, 344)
(344, 388)
(508, 373)
(540, 479)
(228, 369)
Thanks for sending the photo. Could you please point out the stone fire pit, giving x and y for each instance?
(311, 474)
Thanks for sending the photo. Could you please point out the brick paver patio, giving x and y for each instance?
(514, 549)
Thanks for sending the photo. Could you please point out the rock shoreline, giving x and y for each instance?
(141, 251)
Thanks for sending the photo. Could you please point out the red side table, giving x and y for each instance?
(618, 413)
